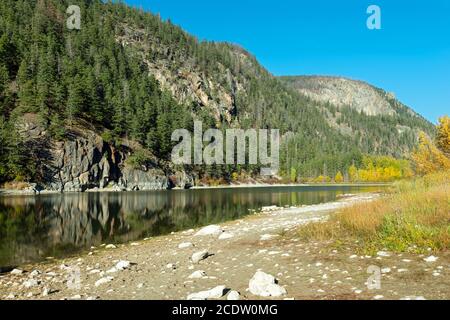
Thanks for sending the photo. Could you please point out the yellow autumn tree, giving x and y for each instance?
(429, 158)
(353, 173)
(443, 135)
(339, 178)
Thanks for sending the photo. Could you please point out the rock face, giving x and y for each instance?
(84, 162)
(345, 92)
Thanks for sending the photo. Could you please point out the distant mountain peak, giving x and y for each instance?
(341, 92)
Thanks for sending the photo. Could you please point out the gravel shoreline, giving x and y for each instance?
(257, 257)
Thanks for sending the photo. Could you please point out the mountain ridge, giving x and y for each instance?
(138, 78)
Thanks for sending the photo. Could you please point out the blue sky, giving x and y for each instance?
(410, 56)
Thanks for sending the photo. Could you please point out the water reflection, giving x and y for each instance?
(32, 228)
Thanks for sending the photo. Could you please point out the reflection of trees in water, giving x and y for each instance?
(50, 225)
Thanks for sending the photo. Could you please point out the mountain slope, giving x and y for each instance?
(129, 76)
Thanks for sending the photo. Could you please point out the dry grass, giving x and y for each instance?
(15, 185)
(414, 216)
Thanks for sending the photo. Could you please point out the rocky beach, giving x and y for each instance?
(257, 257)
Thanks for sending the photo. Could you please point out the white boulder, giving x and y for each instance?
(431, 259)
(199, 256)
(103, 281)
(233, 295)
(264, 285)
(215, 293)
(226, 236)
(199, 274)
(31, 283)
(16, 272)
(185, 245)
(212, 230)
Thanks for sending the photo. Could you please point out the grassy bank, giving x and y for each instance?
(413, 217)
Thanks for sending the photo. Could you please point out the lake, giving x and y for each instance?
(33, 228)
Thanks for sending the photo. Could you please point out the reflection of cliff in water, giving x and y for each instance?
(32, 228)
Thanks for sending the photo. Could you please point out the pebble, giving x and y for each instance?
(17, 272)
(30, 283)
(103, 281)
(383, 254)
(266, 237)
(199, 274)
(431, 259)
(199, 256)
(233, 295)
(226, 236)
(264, 285)
(185, 245)
(413, 298)
(215, 293)
(212, 230)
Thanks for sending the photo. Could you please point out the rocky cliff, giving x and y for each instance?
(85, 162)
(342, 92)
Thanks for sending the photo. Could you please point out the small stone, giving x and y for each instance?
(233, 295)
(378, 297)
(264, 285)
(199, 256)
(122, 265)
(431, 259)
(383, 254)
(30, 283)
(103, 281)
(267, 237)
(386, 270)
(199, 274)
(215, 293)
(413, 298)
(212, 230)
(226, 236)
(185, 245)
(16, 272)
(48, 291)
(35, 273)
(111, 246)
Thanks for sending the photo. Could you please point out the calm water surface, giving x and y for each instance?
(35, 227)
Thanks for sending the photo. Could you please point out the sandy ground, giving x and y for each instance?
(160, 269)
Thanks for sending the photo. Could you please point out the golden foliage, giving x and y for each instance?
(428, 158)
(443, 135)
(415, 216)
(339, 178)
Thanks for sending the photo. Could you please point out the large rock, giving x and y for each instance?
(215, 293)
(211, 230)
(135, 179)
(83, 161)
(199, 256)
(265, 285)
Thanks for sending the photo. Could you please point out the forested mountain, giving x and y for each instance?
(132, 79)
